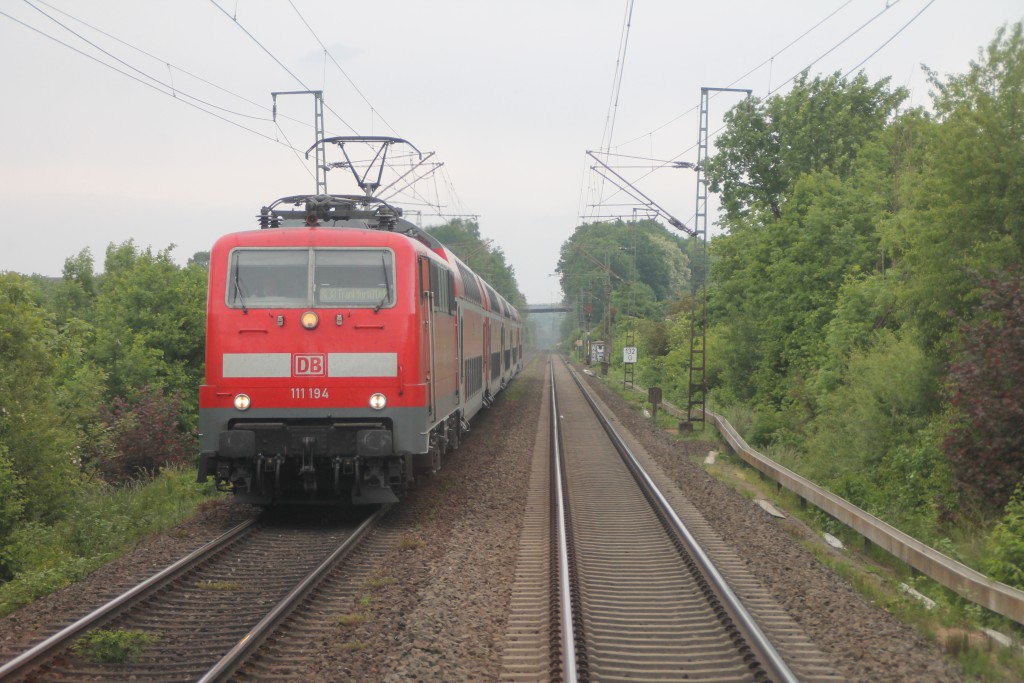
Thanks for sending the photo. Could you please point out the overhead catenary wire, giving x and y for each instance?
(280, 63)
(170, 87)
(171, 68)
(770, 60)
(328, 54)
(613, 103)
(139, 80)
(891, 38)
(889, 5)
(234, 19)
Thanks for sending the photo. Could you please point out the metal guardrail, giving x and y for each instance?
(958, 577)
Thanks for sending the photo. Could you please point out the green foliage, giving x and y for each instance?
(12, 503)
(846, 281)
(871, 259)
(821, 124)
(463, 239)
(608, 270)
(83, 364)
(965, 206)
(1005, 560)
(887, 395)
(105, 646)
(149, 322)
(777, 285)
(38, 445)
(43, 557)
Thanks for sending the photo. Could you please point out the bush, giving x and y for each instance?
(985, 444)
(106, 521)
(1006, 544)
(146, 435)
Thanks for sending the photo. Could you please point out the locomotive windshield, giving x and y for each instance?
(304, 278)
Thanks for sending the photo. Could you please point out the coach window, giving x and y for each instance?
(268, 278)
(354, 278)
(442, 285)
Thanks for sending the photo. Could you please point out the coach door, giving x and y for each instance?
(460, 372)
(487, 351)
(426, 324)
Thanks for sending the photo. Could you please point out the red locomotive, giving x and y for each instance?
(346, 351)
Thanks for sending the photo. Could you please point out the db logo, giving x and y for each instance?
(309, 364)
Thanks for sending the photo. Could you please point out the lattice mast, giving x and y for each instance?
(698, 385)
(318, 124)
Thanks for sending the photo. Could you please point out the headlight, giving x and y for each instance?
(310, 320)
(242, 402)
(378, 401)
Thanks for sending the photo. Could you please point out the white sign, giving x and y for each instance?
(629, 354)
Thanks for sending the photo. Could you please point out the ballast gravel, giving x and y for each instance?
(441, 613)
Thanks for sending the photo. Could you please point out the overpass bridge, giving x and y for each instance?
(548, 308)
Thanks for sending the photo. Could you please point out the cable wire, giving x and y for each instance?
(891, 38)
(770, 60)
(889, 5)
(336, 64)
(173, 90)
(139, 80)
(170, 67)
(280, 63)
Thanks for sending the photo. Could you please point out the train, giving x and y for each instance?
(347, 351)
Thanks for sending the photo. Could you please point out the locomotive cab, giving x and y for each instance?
(313, 392)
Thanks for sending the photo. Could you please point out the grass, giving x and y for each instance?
(106, 522)
(113, 646)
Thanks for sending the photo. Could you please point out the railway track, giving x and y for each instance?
(210, 611)
(630, 582)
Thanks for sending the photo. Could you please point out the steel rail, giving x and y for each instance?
(568, 638)
(34, 656)
(248, 644)
(774, 662)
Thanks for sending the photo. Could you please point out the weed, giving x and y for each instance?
(219, 586)
(352, 619)
(409, 542)
(351, 646)
(113, 646)
(377, 580)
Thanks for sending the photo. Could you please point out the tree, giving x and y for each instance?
(805, 181)
(776, 286)
(819, 124)
(634, 266)
(965, 205)
(39, 466)
(150, 323)
(463, 239)
(985, 388)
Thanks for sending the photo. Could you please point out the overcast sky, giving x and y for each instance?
(509, 95)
